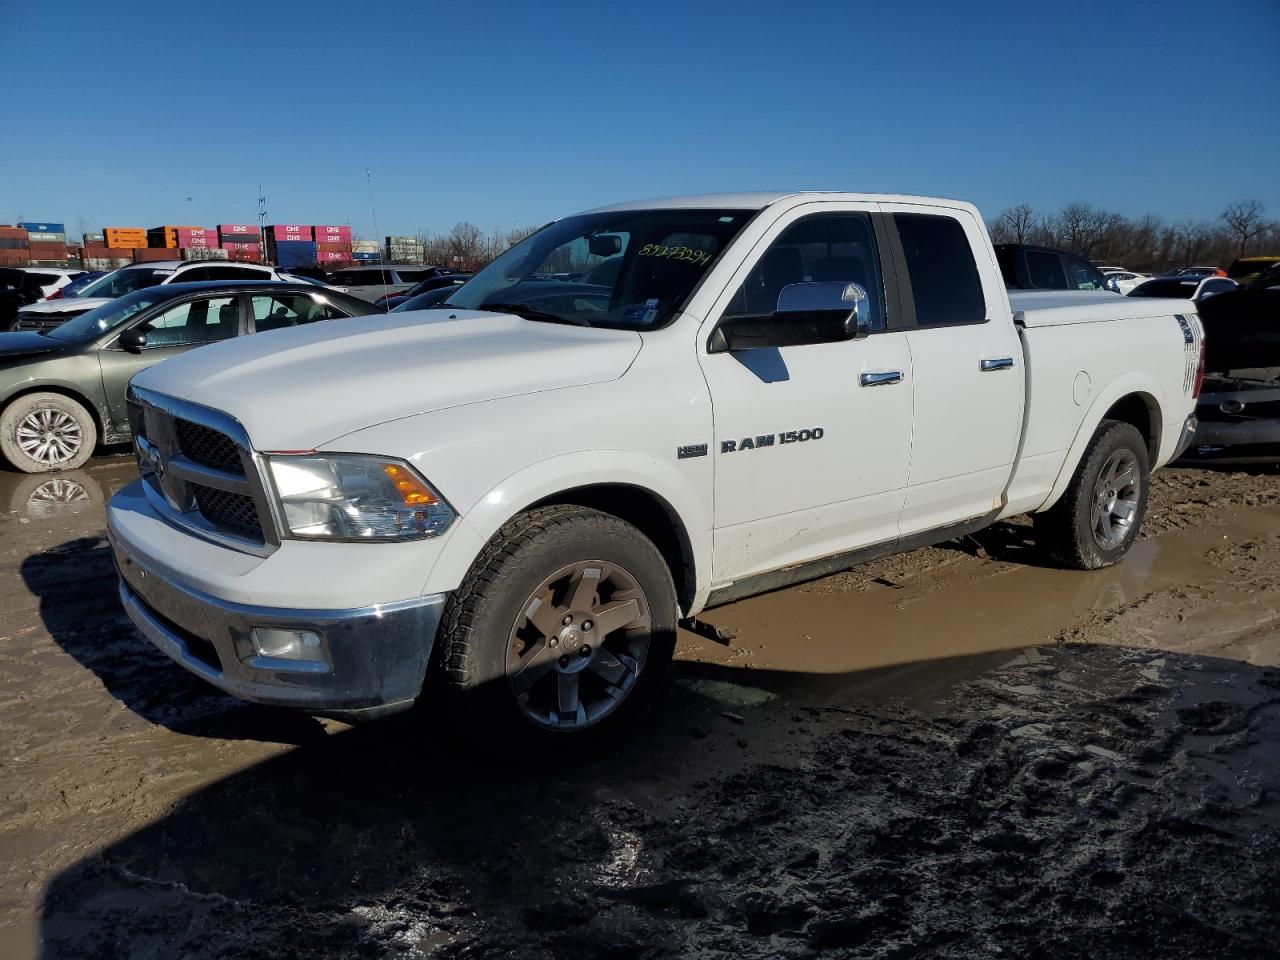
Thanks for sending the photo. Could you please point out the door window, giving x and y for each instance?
(945, 284)
(1045, 271)
(288, 310)
(194, 322)
(814, 254)
(1084, 275)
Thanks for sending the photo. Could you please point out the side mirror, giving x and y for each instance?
(807, 313)
(133, 340)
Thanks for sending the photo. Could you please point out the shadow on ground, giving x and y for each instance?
(1065, 801)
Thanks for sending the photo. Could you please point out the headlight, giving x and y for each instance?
(351, 496)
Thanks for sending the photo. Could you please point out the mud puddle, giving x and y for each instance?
(954, 753)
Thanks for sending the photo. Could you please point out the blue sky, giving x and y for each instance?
(509, 114)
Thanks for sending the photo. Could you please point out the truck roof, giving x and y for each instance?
(760, 200)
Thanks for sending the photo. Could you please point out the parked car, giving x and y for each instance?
(1246, 269)
(370, 283)
(1183, 287)
(1239, 410)
(48, 315)
(62, 391)
(525, 497)
(17, 289)
(73, 288)
(1201, 272)
(1122, 281)
(428, 300)
(50, 279)
(393, 300)
(1026, 267)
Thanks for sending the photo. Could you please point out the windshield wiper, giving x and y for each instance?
(529, 313)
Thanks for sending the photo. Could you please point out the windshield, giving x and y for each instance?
(94, 323)
(119, 282)
(1167, 288)
(660, 256)
(1245, 268)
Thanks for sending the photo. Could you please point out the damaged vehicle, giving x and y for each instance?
(510, 502)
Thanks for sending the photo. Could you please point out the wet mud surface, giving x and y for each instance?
(959, 752)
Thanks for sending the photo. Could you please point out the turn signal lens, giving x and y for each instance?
(411, 489)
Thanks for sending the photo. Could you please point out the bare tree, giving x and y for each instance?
(464, 243)
(1244, 220)
(1014, 224)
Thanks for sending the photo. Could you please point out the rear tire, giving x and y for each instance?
(1100, 514)
(42, 432)
(561, 633)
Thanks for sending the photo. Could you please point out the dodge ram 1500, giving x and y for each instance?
(634, 414)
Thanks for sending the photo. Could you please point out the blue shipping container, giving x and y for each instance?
(366, 256)
(294, 253)
(43, 227)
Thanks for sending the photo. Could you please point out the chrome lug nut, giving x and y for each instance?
(568, 619)
(587, 625)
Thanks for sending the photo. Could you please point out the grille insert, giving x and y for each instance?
(230, 511)
(208, 447)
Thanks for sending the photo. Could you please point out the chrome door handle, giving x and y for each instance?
(881, 379)
(996, 363)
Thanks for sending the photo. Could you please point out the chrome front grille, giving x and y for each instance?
(200, 472)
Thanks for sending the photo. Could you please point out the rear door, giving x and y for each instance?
(966, 360)
(172, 328)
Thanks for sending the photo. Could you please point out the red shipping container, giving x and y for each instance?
(240, 238)
(237, 228)
(278, 230)
(341, 247)
(244, 256)
(338, 234)
(333, 256)
(149, 254)
(188, 233)
(203, 243)
(242, 247)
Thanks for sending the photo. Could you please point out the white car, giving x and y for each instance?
(47, 315)
(525, 491)
(1125, 280)
(375, 282)
(1183, 287)
(50, 279)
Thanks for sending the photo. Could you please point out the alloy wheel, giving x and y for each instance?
(578, 645)
(1115, 499)
(49, 436)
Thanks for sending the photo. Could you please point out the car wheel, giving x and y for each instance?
(46, 431)
(563, 630)
(1101, 512)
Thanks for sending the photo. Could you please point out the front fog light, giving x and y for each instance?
(288, 644)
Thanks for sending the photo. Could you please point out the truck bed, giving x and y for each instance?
(1054, 308)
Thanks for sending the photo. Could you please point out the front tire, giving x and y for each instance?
(1101, 512)
(47, 431)
(562, 630)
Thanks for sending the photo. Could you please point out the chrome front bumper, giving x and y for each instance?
(375, 657)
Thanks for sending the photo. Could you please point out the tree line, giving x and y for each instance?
(1146, 243)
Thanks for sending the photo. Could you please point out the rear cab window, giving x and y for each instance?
(942, 274)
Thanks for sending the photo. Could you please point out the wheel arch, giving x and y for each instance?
(1133, 400)
(99, 421)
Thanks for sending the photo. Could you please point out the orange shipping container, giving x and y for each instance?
(125, 237)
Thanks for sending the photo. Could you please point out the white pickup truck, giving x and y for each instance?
(636, 413)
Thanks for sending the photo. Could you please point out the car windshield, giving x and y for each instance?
(661, 256)
(94, 323)
(76, 287)
(119, 282)
(1245, 268)
(1183, 288)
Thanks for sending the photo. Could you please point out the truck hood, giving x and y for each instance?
(300, 388)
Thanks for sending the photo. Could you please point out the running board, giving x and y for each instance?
(826, 566)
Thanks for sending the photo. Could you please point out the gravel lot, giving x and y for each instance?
(960, 752)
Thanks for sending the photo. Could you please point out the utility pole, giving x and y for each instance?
(262, 223)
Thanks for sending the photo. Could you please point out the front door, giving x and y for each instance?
(811, 443)
(172, 329)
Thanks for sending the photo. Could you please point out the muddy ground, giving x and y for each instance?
(959, 752)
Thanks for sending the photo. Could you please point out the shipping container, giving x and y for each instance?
(35, 227)
(106, 263)
(367, 256)
(244, 256)
(47, 247)
(365, 246)
(242, 246)
(292, 253)
(234, 228)
(330, 257)
(189, 232)
(331, 246)
(290, 232)
(208, 243)
(334, 234)
(151, 254)
(46, 237)
(13, 243)
(93, 238)
(125, 237)
(203, 253)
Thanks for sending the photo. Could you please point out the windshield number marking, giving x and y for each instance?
(685, 254)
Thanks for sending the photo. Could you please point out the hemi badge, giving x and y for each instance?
(692, 450)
